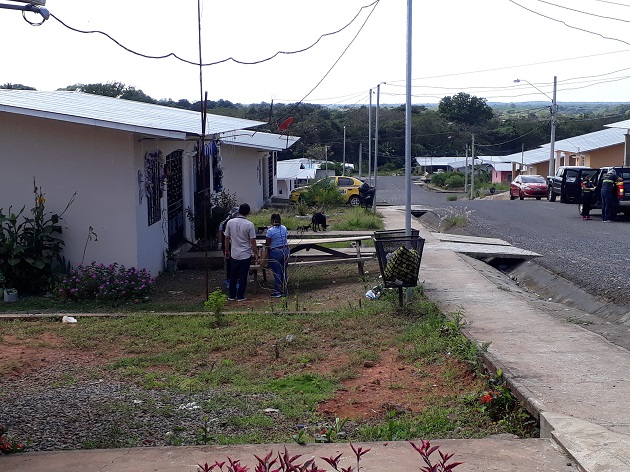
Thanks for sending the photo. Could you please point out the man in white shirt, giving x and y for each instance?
(240, 247)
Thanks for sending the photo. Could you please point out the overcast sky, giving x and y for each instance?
(477, 47)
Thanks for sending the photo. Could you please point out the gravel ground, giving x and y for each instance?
(93, 412)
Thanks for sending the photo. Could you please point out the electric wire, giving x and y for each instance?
(583, 12)
(568, 25)
(228, 59)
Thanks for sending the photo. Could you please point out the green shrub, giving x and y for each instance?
(31, 247)
(451, 198)
(454, 180)
(438, 179)
(323, 192)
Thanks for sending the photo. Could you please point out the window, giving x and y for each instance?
(345, 182)
(153, 185)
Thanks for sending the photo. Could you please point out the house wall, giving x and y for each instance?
(244, 174)
(610, 156)
(541, 168)
(98, 164)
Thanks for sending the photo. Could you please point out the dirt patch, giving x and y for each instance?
(375, 387)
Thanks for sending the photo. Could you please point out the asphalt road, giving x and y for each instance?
(594, 255)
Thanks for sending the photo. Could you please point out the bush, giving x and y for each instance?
(105, 283)
(323, 192)
(454, 181)
(31, 247)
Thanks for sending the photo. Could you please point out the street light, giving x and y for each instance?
(554, 111)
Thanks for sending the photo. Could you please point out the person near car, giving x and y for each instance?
(278, 245)
(608, 194)
(588, 189)
(240, 247)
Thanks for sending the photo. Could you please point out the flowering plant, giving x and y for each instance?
(9, 445)
(498, 400)
(105, 283)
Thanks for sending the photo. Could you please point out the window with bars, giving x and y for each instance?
(153, 186)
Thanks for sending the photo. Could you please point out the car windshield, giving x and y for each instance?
(533, 179)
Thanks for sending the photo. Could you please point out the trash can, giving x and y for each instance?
(399, 258)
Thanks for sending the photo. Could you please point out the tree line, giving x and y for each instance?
(445, 130)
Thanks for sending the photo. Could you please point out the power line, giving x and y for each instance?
(568, 25)
(583, 12)
(175, 56)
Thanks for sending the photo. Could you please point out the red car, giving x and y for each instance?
(528, 186)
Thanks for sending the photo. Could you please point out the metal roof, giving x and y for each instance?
(591, 141)
(620, 124)
(531, 157)
(259, 140)
(502, 166)
(115, 113)
(288, 170)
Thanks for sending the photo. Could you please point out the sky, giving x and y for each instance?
(349, 47)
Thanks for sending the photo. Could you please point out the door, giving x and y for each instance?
(175, 199)
(571, 186)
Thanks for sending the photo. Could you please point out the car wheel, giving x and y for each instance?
(354, 201)
(512, 197)
(537, 198)
(551, 196)
(520, 195)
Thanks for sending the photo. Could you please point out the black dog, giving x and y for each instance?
(301, 229)
(319, 221)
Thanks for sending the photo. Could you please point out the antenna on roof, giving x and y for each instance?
(35, 6)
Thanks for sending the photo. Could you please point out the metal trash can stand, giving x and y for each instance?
(399, 258)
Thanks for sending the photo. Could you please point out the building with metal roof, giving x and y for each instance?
(137, 170)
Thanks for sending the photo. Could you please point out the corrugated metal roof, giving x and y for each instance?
(620, 124)
(292, 170)
(502, 166)
(531, 157)
(288, 170)
(591, 141)
(108, 112)
(259, 140)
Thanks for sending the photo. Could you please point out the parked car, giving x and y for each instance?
(347, 186)
(528, 186)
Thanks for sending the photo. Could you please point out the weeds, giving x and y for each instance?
(216, 303)
(455, 217)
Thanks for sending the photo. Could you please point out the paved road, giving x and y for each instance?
(592, 254)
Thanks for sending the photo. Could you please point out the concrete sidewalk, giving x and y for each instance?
(573, 380)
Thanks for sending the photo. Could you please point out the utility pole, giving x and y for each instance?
(343, 170)
(472, 174)
(326, 158)
(408, 133)
(466, 171)
(554, 111)
(378, 99)
(360, 160)
(370, 140)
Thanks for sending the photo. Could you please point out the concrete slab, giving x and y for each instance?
(501, 453)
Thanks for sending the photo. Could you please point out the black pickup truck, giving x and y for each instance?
(623, 191)
(566, 183)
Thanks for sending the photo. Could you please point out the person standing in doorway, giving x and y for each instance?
(278, 246)
(608, 195)
(588, 188)
(240, 248)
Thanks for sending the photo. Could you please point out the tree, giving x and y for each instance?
(466, 109)
(9, 86)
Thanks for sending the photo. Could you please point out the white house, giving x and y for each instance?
(135, 168)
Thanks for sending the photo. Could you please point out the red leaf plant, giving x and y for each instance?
(425, 450)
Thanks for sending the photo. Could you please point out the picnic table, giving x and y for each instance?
(329, 255)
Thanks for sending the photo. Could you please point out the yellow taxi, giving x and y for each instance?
(347, 186)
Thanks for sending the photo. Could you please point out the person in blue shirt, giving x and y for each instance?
(278, 246)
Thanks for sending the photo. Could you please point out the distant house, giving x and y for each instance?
(136, 168)
(501, 172)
